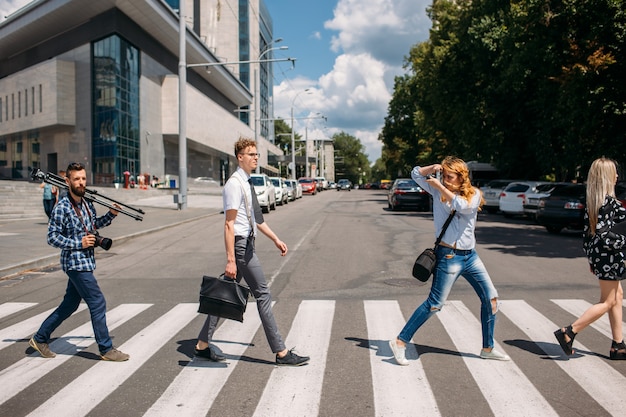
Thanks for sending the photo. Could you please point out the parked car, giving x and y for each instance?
(531, 204)
(513, 196)
(265, 192)
(563, 208)
(405, 193)
(491, 194)
(309, 185)
(297, 187)
(322, 183)
(282, 196)
(344, 184)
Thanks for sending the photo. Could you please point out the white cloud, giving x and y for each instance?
(316, 35)
(373, 37)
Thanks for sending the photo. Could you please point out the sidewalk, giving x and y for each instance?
(23, 244)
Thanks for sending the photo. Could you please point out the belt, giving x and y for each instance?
(455, 250)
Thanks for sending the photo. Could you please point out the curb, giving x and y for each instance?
(33, 265)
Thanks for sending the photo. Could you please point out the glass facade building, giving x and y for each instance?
(115, 92)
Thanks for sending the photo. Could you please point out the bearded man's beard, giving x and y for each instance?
(80, 192)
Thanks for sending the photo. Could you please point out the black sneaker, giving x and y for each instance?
(210, 353)
(291, 359)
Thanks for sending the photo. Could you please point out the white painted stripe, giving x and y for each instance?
(578, 307)
(90, 388)
(586, 370)
(297, 391)
(25, 329)
(7, 309)
(28, 370)
(195, 388)
(398, 390)
(507, 390)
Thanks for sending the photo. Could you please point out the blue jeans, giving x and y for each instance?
(451, 264)
(81, 285)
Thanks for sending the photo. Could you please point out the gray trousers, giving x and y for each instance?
(249, 268)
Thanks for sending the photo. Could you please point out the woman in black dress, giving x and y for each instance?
(604, 247)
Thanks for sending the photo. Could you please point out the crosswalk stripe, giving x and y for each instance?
(195, 388)
(395, 387)
(25, 329)
(6, 309)
(28, 370)
(90, 388)
(507, 390)
(603, 383)
(297, 391)
(578, 307)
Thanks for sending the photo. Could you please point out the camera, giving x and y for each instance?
(104, 242)
(436, 175)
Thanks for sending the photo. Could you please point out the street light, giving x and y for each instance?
(293, 137)
(181, 198)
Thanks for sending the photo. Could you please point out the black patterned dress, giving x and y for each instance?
(605, 249)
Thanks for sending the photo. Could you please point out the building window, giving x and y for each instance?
(115, 92)
(26, 102)
(40, 99)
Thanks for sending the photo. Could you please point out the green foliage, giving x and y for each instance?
(535, 87)
(350, 159)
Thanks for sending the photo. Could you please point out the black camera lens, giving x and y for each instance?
(104, 242)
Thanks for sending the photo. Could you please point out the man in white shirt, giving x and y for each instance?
(242, 220)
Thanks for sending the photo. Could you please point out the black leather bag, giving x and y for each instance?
(426, 261)
(424, 265)
(223, 297)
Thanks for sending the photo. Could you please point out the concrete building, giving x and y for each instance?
(97, 82)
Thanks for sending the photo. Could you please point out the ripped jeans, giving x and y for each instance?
(451, 264)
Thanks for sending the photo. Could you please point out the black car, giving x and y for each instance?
(344, 184)
(405, 193)
(564, 208)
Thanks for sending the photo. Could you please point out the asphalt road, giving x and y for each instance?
(343, 289)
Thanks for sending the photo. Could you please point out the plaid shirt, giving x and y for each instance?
(66, 231)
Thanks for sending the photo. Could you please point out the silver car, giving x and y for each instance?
(265, 192)
(491, 193)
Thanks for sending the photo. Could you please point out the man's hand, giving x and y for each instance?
(231, 270)
(88, 241)
(282, 246)
(115, 212)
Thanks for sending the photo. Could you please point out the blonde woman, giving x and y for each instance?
(456, 255)
(605, 253)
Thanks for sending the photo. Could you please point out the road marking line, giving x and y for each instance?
(25, 329)
(503, 384)
(195, 388)
(27, 371)
(80, 396)
(395, 387)
(6, 309)
(299, 389)
(586, 370)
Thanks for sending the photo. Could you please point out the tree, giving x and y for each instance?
(350, 159)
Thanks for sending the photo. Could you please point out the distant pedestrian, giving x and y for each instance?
(243, 218)
(49, 197)
(455, 254)
(71, 228)
(605, 253)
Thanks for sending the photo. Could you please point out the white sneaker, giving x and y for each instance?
(494, 355)
(398, 353)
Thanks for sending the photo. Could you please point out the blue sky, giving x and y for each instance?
(347, 55)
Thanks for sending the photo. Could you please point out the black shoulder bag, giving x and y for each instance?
(425, 263)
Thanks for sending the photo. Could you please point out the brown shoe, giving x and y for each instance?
(115, 355)
(42, 348)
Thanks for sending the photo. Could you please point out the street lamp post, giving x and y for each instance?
(181, 198)
(293, 137)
